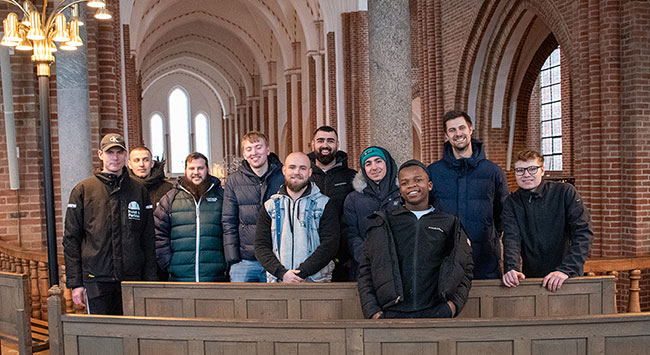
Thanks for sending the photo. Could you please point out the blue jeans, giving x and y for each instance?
(247, 271)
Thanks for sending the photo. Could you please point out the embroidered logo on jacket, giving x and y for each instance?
(212, 199)
(436, 229)
(134, 210)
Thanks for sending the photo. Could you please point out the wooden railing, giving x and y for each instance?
(612, 266)
(35, 265)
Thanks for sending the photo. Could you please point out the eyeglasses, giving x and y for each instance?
(532, 170)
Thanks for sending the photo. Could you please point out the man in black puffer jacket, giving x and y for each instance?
(376, 189)
(416, 260)
(258, 177)
(331, 174)
(109, 234)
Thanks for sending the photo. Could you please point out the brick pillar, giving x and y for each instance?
(294, 118)
(271, 126)
(242, 121)
(320, 88)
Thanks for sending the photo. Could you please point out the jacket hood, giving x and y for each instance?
(156, 175)
(478, 154)
(387, 185)
(341, 161)
(272, 159)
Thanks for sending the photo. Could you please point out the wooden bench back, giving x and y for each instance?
(242, 300)
(622, 334)
(578, 296)
(14, 310)
(487, 299)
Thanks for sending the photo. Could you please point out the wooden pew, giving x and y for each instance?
(15, 325)
(578, 296)
(242, 300)
(487, 299)
(623, 334)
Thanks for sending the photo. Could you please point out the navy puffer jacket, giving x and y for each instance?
(244, 194)
(474, 190)
(191, 253)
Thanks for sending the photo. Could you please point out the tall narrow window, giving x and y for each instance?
(202, 134)
(157, 137)
(179, 129)
(551, 112)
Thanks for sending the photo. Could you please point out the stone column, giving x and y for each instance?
(73, 112)
(389, 51)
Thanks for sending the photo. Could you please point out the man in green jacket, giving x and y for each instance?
(189, 236)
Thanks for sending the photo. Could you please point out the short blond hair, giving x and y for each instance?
(529, 154)
(254, 136)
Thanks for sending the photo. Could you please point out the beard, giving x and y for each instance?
(325, 159)
(199, 190)
(297, 186)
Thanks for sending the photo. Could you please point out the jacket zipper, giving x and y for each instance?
(198, 231)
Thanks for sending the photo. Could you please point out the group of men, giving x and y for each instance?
(412, 236)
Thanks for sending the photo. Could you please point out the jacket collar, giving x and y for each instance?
(273, 161)
(478, 154)
(341, 162)
(535, 193)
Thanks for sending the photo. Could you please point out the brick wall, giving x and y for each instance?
(331, 78)
(133, 93)
(356, 83)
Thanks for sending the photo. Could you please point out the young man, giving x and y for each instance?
(149, 172)
(189, 238)
(375, 189)
(472, 188)
(416, 260)
(108, 234)
(334, 179)
(546, 226)
(259, 176)
(298, 228)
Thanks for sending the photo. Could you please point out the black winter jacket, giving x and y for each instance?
(335, 183)
(245, 193)
(473, 189)
(381, 276)
(109, 234)
(549, 228)
(366, 199)
(156, 183)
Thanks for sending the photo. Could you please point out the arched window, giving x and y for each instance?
(202, 134)
(157, 137)
(551, 112)
(179, 129)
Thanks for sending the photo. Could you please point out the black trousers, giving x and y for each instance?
(104, 298)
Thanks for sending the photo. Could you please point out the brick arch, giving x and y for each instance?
(495, 56)
(527, 121)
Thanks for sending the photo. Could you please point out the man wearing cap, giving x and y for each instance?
(109, 235)
(416, 261)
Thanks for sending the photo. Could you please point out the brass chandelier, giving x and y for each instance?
(38, 33)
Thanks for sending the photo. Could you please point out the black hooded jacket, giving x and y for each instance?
(244, 195)
(156, 183)
(366, 199)
(109, 234)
